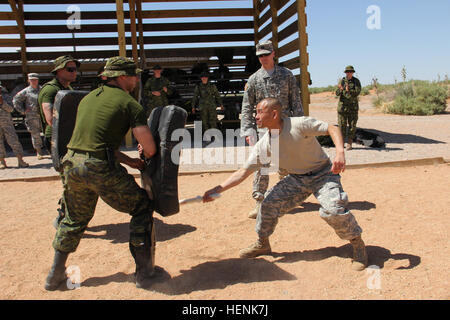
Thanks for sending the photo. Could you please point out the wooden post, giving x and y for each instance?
(274, 12)
(256, 13)
(122, 50)
(304, 60)
(132, 6)
(141, 33)
(17, 9)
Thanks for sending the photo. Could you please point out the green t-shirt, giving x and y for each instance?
(47, 95)
(103, 119)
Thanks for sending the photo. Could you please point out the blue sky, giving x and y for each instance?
(413, 33)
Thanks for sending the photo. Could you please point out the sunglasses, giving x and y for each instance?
(264, 55)
(71, 69)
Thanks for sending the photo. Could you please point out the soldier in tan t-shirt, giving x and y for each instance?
(290, 143)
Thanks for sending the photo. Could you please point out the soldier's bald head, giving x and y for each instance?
(271, 104)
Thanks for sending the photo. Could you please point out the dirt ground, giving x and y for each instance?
(404, 213)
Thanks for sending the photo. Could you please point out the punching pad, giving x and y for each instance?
(160, 177)
(64, 115)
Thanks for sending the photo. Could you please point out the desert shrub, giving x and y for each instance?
(365, 90)
(418, 98)
(322, 89)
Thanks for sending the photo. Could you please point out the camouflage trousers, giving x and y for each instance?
(33, 125)
(8, 132)
(87, 178)
(347, 123)
(292, 190)
(208, 115)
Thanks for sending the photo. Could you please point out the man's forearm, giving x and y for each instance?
(236, 178)
(336, 135)
(47, 108)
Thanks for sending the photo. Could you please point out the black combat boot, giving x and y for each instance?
(57, 274)
(144, 256)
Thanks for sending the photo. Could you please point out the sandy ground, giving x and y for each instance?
(404, 212)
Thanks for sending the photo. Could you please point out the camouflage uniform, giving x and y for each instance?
(27, 99)
(281, 84)
(8, 132)
(156, 84)
(292, 190)
(348, 105)
(207, 97)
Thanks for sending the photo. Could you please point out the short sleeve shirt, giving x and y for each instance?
(104, 117)
(298, 150)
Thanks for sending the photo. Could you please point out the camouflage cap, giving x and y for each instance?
(61, 62)
(264, 47)
(33, 76)
(157, 67)
(204, 74)
(349, 69)
(120, 66)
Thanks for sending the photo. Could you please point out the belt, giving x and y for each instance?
(311, 173)
(92, 154)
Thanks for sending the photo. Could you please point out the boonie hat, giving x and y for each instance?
(61, 62)
(349, 69)
(33, 76)
(157, 67)
(120, 66)
(264, 47)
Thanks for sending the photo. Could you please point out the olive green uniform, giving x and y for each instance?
(104, 117)
(156, 84)
(348, 107)
(47, 95)
(207, 97)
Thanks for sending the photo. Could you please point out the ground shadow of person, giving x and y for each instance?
(160, 275)
(353, 205)
(205, 276)
(220, 274)
(119, 232)
(377, 255)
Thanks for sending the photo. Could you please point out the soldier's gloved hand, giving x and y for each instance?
(136, 163)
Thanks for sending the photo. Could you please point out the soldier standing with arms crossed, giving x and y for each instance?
(207, 97)
(348, 91)
(156, 89)
(26, 102)
(7, 131)
(310, 171)
(270, 80)
(92, 169)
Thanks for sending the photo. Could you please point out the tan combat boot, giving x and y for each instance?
(349, 145)
(254, 213)
(360, 259)
(260, 247)
(40, 155)
(21, 163)
(3, 164)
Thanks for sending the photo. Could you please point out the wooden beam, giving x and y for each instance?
(99, 28)
(121, 28)
(256, 12)
(303, 43)
(134, 49)
(197, 13)
(9, 30)
(17, 8)
(274, 14)
(122, 51)
(141, 33)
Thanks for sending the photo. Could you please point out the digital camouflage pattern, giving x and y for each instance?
(85, 179)
(348, 106)
(120, 66)
(292, 190)
(26, 102)
(8, 132)
(156, 84)
(207, 98)
(281, 85)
